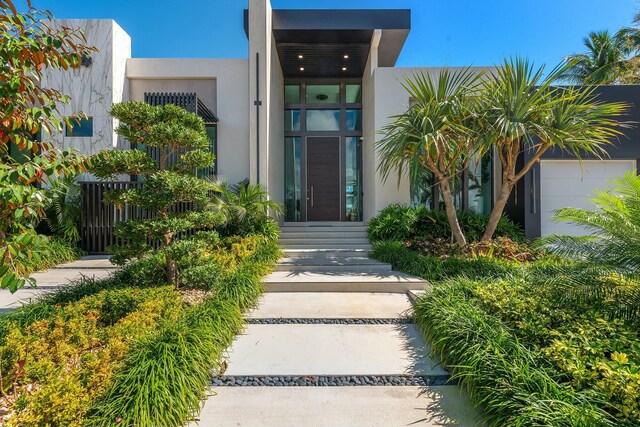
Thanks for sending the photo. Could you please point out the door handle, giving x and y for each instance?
(312, 196)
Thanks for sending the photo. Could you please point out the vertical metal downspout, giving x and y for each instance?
(257, 103)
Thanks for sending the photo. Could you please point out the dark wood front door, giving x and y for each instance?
(323, 179)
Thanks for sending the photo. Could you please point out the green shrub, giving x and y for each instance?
(434, 268)
(402, 222)
(514, 385)
(499, 248)
(59, 365)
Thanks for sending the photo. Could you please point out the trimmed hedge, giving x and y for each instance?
(402, 222)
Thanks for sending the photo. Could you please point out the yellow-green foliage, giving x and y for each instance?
(63, 363)
(590, 352)
(605, 356)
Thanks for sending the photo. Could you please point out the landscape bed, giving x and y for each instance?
(535, 339)
(130, 349)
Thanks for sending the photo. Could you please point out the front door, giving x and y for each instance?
(323, 178)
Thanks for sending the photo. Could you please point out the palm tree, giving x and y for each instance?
(609, 256)
(522, 112)
(243, 202)
(434, 134)
(605, 60)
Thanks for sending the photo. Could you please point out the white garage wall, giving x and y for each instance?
(565, 183)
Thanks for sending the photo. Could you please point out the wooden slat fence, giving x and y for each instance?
(98, 220)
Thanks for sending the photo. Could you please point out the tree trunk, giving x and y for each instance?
(172, 269)
(498, 209)
(452, 215)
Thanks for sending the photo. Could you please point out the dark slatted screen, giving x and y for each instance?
(98, 220)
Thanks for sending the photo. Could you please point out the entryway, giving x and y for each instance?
(323, 178)
(323, 151)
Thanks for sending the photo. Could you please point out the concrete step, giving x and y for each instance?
(337, 406)
(324, 241)
(370, 268)
(331, 305)
(393, 282)
(288, 229)
(333, 234)
(294, 349)
(341, 246)
(292, 253)
(323, 224)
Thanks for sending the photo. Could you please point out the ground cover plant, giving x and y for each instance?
(546, 338)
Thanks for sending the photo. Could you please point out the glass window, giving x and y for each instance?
(354, 94)
(323, 94)
(479, 174)
(211, 170)
(353, 190)
(291, 120)
(422, 188)
(354, 120)
(80, 128)
(292, 94)
(292, 186)
(323, 120)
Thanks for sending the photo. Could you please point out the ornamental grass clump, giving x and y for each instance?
(179, 143)
(165, 376)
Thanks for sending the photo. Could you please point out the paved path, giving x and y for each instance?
(97, 266)
(343, 353)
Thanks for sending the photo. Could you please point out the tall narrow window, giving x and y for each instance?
(292, 179)
(80, 128)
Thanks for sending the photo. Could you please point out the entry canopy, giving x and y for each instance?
(336, 43)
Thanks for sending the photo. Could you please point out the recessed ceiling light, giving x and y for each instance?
(346, 57)
(301, 68)
(300, 56)
(344, 68)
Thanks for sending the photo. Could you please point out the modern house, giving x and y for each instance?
(300, 114)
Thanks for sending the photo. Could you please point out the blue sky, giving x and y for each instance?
(445, 32)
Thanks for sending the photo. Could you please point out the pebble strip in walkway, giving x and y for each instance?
(332, 343)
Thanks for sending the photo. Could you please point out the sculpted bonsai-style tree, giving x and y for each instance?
(28, 46)
(169, 178)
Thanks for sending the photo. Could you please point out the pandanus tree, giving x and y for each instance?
(435, 133)
(523, 113)
(169, 178)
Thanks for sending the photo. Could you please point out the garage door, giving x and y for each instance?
(563, 183)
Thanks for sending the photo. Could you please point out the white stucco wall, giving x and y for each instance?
(224, 88)
(276, 129)
(93, 89)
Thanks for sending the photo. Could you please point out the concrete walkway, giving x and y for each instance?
(96, 266)
(332, 344)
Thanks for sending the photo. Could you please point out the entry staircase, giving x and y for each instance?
(333, 257)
